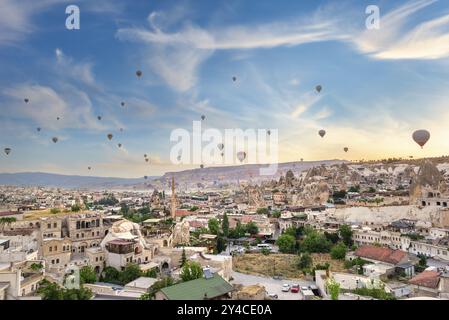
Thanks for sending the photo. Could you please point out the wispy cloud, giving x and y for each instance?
(176, 56)
(398, 39)
(74, 108)
(78, 71)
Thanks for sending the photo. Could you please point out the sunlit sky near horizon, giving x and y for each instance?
(378, 85)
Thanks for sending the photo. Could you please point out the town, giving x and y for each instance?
(340, 231)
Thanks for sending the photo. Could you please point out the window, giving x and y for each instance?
(77, 235)
(78, 225)
(57, 260)
(56, 248)
(96, 259)
(82, 235)
(93, 234)
(49, 225)
(52, 261)
(55, 225)
(50, 249)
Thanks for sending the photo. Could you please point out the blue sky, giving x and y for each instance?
(378, 85)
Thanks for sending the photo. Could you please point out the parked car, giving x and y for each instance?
(304, 288)
(295, 288)
(285, 287)
(272, 295)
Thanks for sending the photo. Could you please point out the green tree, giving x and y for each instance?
(214, 226)
(55, 211)
(333, 288)
(75, 208)
(225, 225)
(87, 275)
(263, 211)
(286, 243)
(276, 214)
(332, 237)
(50, 291)
(338, 252)
(192, 270)
(111, 274)
(221, 244)
(183, 258)
(252, 228)
(130, 273)
(158, 285)
(346, 233)
(316, 242)
(305, 261)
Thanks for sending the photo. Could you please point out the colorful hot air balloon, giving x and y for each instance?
(110, 136)
(7, 151)
(55, 139)
(318, 88)
(322, 133)
(241, 156)
(421, 137)
(346, 149)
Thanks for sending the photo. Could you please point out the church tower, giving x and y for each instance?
(173, 199)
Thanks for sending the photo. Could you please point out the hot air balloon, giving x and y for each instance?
(7, 151)
(202, 166)
(322, 133)
(269, 132)
(203, 117)
(234, 79)
(145, 155)
(122, 104)
(119, 145)
(57, 118)
(179, 158)
(99, 117)
(121, 129)
(88, 168)
(421, 137)
(110, 136)
(145, 177)
(302, 159)
(318, 88)
(138, 73)
(38, 129)
(146, 159)
(346, 149)
(220, 146)
(222, 154)
(241, 156)
(26, 100)
(54, 139)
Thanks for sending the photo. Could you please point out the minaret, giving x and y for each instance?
(173, 199)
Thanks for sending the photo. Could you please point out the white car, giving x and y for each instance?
(285, 287)
(304, 288)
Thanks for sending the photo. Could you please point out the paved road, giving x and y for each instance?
(270, 284)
